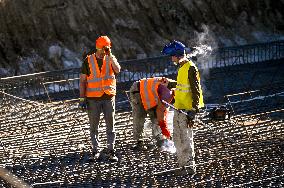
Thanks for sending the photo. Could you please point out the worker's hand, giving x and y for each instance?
(107, 50)
(164, 81)
(82, 104)
(173, 91)
(190, 115)
(190, 118)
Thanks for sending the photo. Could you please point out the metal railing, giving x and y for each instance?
(249, 54)
(40, 86)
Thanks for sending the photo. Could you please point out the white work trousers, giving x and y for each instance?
(183, 140)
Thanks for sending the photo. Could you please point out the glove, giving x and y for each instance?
(164, 128)
(82, 104)
(190, 118)
(191, 115)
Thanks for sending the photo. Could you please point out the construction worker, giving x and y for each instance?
(145, 98)
(97, 93)
(188, 98)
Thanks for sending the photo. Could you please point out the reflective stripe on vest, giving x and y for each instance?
(96, 78)
(100, 82)
(149, 93)
(101, 89)
(93, 67)
(183, 88)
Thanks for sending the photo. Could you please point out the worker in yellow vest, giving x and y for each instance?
(188, 98)
(146, 97)
(97, 93)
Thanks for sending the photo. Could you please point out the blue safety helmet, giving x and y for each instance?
(175, 48)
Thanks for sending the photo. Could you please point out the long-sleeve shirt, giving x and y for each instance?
(164, 93)
(161, 110)
(194, 84)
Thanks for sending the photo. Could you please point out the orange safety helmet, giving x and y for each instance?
(103, 41)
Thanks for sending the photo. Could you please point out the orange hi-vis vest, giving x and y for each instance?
(149, 92)
(100, 82)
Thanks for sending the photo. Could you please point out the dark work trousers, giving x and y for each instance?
(139, 116)
(95, 107)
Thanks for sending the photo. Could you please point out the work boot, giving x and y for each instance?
(191, 170)
(160, 142)
(94, 155)
(112, 157)
(185, 170)
(102, 155)
(140, 146)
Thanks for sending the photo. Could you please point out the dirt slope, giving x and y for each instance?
(41, 35)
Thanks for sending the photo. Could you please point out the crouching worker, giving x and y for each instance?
(145, 98)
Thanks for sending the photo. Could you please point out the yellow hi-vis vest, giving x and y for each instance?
(183, 93)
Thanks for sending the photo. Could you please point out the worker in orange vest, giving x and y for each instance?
(146, 97)
(97, 93)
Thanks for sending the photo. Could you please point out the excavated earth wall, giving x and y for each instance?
(49, 35)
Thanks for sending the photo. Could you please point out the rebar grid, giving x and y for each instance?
(232, 60)
(46, 142)
(48, 146)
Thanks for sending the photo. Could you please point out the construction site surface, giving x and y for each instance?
(45, 139)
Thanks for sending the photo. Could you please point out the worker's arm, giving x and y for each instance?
(115, 65)
(83, 82)
(164, 95)
(82, 99)
(162, 110)
(194, 84)
(85, 71)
